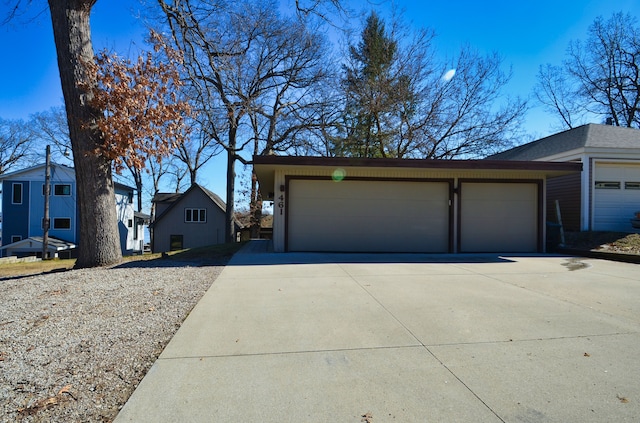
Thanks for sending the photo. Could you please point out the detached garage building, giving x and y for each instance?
(606, 195)
(400, 205)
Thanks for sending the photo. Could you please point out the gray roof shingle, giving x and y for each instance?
(585, 136)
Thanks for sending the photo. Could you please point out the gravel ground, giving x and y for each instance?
(74, 345)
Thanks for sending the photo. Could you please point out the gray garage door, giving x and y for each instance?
(368, 216)
(498, 217)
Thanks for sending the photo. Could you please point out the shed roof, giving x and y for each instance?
(174, 198)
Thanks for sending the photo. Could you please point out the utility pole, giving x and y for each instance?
(47, 193)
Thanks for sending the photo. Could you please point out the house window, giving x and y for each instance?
(15, 238)
(632, 185)
(607, 185)
(130, 223)
(17, 194)
(61, 223)
(195, 215)
(175, 242)
(130, 197)
(62, 189)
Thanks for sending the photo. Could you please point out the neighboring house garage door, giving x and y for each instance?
(368, 215)
(616, 196)
(499, 217)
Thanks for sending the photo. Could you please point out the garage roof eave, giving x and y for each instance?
(415, 163)
(265, 166)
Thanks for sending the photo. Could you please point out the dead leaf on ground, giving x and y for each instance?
(587, 355)
(37, 323)
(67, 390)
(2, 355)
(367, 418)
(622, 399)
(48, 402)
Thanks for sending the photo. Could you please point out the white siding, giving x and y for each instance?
(613, 208)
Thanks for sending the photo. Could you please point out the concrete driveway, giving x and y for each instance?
(403, 338)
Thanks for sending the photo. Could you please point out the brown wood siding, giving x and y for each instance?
(567, 190)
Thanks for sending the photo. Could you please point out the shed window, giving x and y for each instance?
(61, 223)
(632, 185)
(195, 215)
(607, 185)
(62, 189)
(15, 238)
(17, 194)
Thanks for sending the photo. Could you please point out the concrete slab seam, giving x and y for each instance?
(467, 387)
(330, 350)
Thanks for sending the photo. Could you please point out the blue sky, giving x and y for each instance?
(527, 34)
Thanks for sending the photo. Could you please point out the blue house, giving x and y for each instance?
(23, 197)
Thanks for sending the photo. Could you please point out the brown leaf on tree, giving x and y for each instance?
(141, 117)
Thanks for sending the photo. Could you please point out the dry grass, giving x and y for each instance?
(35, 267)
(211, 255)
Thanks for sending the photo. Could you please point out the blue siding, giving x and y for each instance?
(15, 217)
(60, 206)
(64, 207)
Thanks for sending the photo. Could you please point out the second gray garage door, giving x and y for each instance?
(499, 217)
(368, 216)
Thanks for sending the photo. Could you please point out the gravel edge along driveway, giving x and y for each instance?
(74, 345)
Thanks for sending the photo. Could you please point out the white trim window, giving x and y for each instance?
(16, 194)
(195, 215)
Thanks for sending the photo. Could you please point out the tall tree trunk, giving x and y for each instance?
(255, 207)
(231, 186)
(99, 239)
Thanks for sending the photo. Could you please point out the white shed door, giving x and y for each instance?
(368, 216)
(498, 217)
(616, 196)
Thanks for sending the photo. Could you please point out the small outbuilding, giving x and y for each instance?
(407, 205)
(195, 218)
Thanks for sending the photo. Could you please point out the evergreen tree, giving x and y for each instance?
(375, 94)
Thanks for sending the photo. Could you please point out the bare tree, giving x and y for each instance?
(196, 151)
(16, 144)
(599, 78)
(246, 65)
(51, 128)
(399, 101)
(466, 115)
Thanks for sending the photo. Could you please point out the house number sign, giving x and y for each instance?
(281, 203)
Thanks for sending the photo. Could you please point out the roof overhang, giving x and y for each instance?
(265, 167)
(34, 244)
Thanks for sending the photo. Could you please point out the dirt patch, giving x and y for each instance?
(613, 242)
